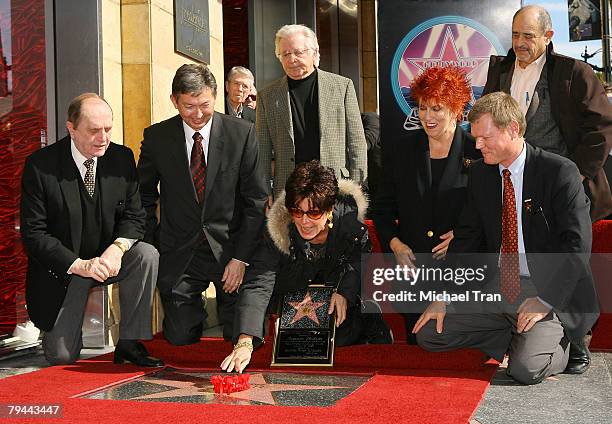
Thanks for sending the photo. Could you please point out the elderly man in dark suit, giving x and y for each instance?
(81, 221)
(211, 197)
(308, 114)
(239, 85)
(532, 204)
(566, 107)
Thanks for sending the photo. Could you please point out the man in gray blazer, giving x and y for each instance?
(308, 114)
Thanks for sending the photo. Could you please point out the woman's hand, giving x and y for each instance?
(240, 356)
(439, 252)
(403, 253)
(339, 303)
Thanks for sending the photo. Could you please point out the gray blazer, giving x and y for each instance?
(343, 144)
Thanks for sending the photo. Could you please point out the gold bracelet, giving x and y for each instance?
(121, 245)
(248, 344)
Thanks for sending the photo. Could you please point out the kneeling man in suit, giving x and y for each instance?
(81, 222)
(202, 168)
(527, 209)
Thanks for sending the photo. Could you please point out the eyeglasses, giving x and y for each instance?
(296, 52)
(312, 214)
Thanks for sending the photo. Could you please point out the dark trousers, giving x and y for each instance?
(351, 330)
(136, 280)
(184, 312)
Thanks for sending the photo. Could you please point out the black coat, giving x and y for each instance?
(282, 262)
(404, 206)
(51, 219)
(233, 213)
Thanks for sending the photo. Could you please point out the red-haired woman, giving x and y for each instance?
(425, 175)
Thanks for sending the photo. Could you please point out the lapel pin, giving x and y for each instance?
(528, 205)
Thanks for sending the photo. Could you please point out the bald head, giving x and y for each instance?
(531, 33)
(90, 121)
(540, 14)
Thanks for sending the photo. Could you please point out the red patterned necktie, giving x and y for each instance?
(198, 166)
(510, 284)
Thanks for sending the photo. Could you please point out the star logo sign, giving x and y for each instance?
(449, 56)
(306, 308)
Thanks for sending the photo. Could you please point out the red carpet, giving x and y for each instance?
(602, 272)
(402, 389)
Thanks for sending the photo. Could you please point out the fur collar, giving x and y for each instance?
(279, 217)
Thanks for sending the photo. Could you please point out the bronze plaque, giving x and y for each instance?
(304, 331)
(191, 29)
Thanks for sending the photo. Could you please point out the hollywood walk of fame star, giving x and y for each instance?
(306, 308)
(449, 56)
(261, 392)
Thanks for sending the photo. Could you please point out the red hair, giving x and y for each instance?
(446, 86)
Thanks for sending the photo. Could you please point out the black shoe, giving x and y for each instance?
(579, 359)
(136, 353)
(375, 329)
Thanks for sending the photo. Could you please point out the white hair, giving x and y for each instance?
(295, 29)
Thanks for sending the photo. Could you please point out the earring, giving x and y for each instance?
(330, 216)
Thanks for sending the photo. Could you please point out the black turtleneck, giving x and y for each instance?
(304, 96)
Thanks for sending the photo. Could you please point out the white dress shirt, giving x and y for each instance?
(525, 80)
(204, 132)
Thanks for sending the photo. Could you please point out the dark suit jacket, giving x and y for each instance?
(580, 109)
(406, 193)
(557, 222)
(233, 214)
(247, 112)
(51, 218)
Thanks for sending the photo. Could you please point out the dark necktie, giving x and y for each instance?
(90, 177)
(510, 284)
(198, 166)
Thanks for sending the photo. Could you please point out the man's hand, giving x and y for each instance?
(435, 310)
(403, 253)
(233, 275)
(269, 204)
(530, 312)
(439, 252)
(339, 303)
(91, 268)
(112, 259)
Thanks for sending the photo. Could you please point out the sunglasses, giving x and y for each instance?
(312, 214)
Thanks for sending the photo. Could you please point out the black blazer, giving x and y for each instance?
(555, 221)
(51, 218)
(233, 213)
(405, 194)
(247, 113)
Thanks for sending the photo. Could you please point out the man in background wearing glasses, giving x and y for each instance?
(239, 86)
(308, 114)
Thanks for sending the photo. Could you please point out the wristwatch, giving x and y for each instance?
(124, 246)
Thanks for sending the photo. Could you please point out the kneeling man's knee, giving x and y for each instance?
(525, 372)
